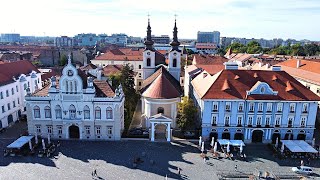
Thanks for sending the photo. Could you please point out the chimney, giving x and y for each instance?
(205, 74)
(298, 63)
(276, 68)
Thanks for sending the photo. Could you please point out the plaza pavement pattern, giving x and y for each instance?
(114, 160)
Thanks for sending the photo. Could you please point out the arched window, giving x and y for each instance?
(36, 112)
(58, 112)
(109, 113)
(148, 62)
(97, 113)
(160, 110)
(139, 66)
(86, 112)
(72, 112)
(47, 112)
(174, 63)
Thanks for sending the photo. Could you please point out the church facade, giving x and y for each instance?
(75, 106)
(161, 91)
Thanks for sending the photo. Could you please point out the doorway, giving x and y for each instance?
(257, 136)
(74, 132)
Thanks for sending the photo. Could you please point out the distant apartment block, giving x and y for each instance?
(163, 39)
(63, 41)
(209, 37)
(117, 39)
(10, 38)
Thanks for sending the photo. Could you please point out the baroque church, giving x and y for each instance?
(161, 91)
(76, 106)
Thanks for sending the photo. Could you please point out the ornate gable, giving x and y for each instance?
(261, 88)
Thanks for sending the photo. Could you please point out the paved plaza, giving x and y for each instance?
(114, 160)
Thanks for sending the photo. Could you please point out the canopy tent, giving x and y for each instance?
(298, 146)
(20, 142)
(223, 142)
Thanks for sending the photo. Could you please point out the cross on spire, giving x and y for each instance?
(69, 58)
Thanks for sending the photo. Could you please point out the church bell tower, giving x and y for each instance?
(149, 55)
(174, 66)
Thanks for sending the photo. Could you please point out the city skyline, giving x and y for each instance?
(233, 18)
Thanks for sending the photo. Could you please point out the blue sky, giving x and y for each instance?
(268, 19)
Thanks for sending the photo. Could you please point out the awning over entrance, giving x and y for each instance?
(298, 146)
(223, 142)
(20, 142)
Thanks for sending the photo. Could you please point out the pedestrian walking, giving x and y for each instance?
(95, 173)
(178, 170)
(301, 162)
(236, 168)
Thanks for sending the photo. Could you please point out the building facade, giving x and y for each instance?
(63, 41)
(163, 39)
(10, 38)
(209, 37)
(254, 106)
(75, 106)
(16, 78)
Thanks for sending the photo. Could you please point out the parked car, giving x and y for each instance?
(136, 131)
(302, 170)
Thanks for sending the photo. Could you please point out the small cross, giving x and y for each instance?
(175, 16)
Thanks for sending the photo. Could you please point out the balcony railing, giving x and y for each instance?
(277, 125)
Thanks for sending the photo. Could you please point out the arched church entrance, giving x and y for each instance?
(160, 132)
(257, 136)
(301, 135)
(275, 135)
(74, 132)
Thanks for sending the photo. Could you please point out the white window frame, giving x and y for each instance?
(269, 107)
(305, 107)
(260, 107)
(291, 117)
(109, 113)
(58, 112)
(268, 122)
(227, 119)
(214, 119)
(278, 118)
(251, 107)
(292, 107)
(250, 120)
(98, 130)
(259, 119)
(239, 119)
(215, 106)
(87, 128)
(109, 130)
(86, 112)
(49, 129)
(303, 121)
(241, 104)
(228, 104)
(59, 128)
(97, 113)
(47, 112)
(279, 107)
(38, 129)
(36, 112)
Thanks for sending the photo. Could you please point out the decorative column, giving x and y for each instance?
(270, 133)
(152, 131)
(267, 134)
(168, 132)
(67, 132)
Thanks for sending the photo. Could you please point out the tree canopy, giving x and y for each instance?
(187, 113)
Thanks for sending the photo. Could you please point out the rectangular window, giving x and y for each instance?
(59, 129)
(290, 121)
(251, 107)
(7, 93)
(239, 120)
(303, 121)
(250, 119)
(9, 106)
(109, 130)
(38, 128)
(86, 114)
(240, 108)
(259, 120)
(1, 95)
(17, 89)
(278, 120)
(228, 106)
(98, 130)
(36, 113)
(227, 120)
(260, 107)
(214, 120)
(47, 113)
(14, 103)
(215, 106)
(279, 107)
(12, 91)
(18, 101)
(87, 130)
(292, 107)
(3, 110)
(49, 129)
(305, 108)
(268, 120)
(269, 107)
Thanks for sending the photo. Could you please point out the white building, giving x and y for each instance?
(75, 106)
(15, 78)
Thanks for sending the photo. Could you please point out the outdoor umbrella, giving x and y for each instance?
(212, 142)
(277, 141)
(241, 148)
(313, 142)
(202, 147)
(43, 145)
(36, 138)
(200, 140)
(30, 145)
(228, 147)
(282, 148)
(215, 147)
(49, 142)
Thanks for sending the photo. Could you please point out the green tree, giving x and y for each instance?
(187, 113)
(311, 49)
(254, 47)
(221, 51)
(115, 78)
(63, 60)
(297, 50)
(237, 47)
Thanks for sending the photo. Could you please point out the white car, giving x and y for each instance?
(302, 170)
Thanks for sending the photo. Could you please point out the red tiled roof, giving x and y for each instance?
(206, 59)
(88, 67)
(238, 87)
(212, 69)
(48, 75)
(161, 85)
(15, 69)
(103, 89)
(112, 69)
